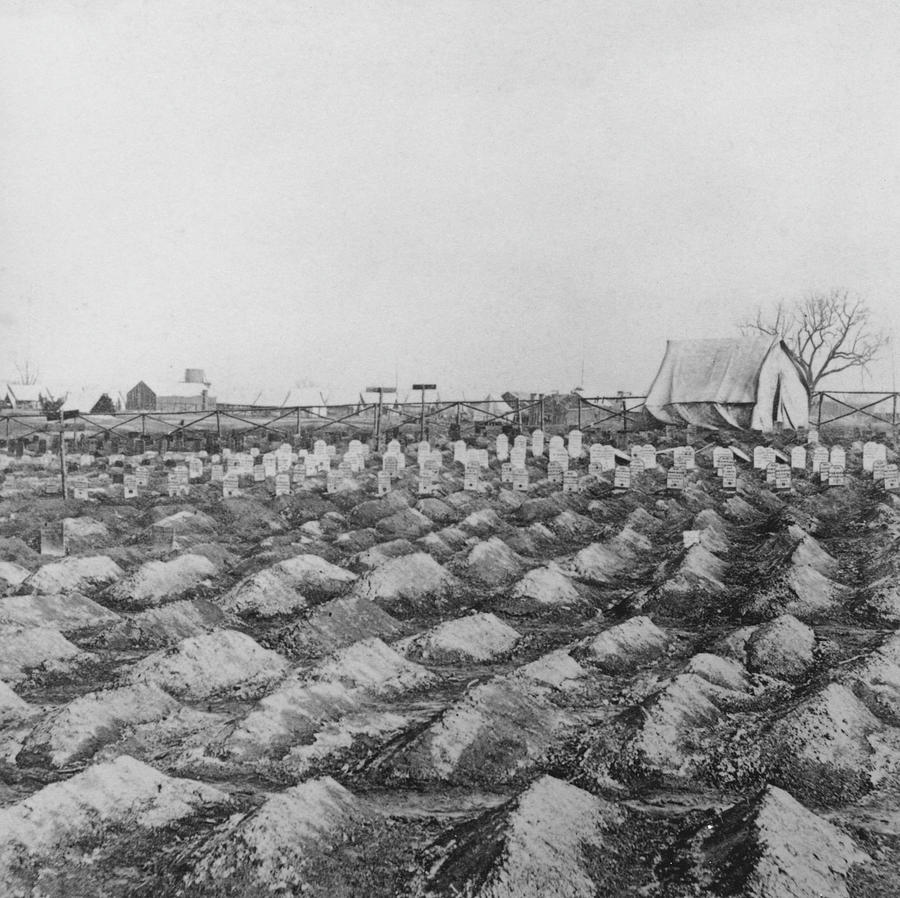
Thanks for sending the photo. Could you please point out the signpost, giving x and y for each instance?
(380, 391)
(423, 388)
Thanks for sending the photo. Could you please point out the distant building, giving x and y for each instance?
(27, 397)
(190, 395)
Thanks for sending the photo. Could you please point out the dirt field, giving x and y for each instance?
(489, 692)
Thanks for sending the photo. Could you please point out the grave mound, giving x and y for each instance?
(66, 613)
(164, 626)
(820, 748)
(316, 577)
(543, 587)
(493, 563)
(557, 669)
(624, 647)
(75, 575)
(61, 824)
(218, 662)
(771, 845)
(340, 685)
(76, 730)
(408, 584)
(781, 648)
(25, 648)
(155, 581)
(334, 625)
(436, 510)
(699, 571)
(266, 593)
(12, 574)
(405, 524)
(603, 562)
(266, 850)
(380, 553)
(496, 732)
(478, 637)
(533, 845)
(482, 523)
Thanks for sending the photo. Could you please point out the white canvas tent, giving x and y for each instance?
(746, 383)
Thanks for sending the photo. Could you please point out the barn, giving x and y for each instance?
(745, 383)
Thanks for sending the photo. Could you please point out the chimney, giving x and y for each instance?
(194, 376)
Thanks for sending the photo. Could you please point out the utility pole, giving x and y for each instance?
(423, 388)
(380, 391)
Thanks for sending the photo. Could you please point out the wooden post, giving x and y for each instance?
(62, 458)
(579, 410)
(819, 421)
(423, 388)
(624, 416)
(541, 425)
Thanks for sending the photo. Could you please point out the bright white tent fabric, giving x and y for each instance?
(744, 383)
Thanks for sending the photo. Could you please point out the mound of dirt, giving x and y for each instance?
(770, 845)
(405, 524)
(436, 510)
(156, 581)
(218, 662)
(75, 575)
(802, 591)
(493, 563)
(316, 577)
(13, 574)
(76, 730)
(267, 849)
(185, 527)
(62, 822)
(603, 562)
(266, 593)
(66, 613)
(164, 626)
(495, 732)
(478, 637)
(699, 571)
(557, 669)
(482, 523)
(368, 514)
(679, 723)
(24, 648)
(570, 525)
(532, 846)
(624, 647)
(334, 625)
(719, 671)
(820, 748)
(781, 648)
(14, 549)
(380, 553)
(12, 707)
(809, 552)
(84, 533)
(408, 584)
(341, 685)
(543, 587)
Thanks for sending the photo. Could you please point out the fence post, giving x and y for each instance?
(819, 417)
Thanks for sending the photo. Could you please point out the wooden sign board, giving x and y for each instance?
(820, 456)
(576, 444)
(891, 477)
(520, 479)
(130, 486)
(838, 456)
(798, 458)
(259, 474)
(871, 453)
(636, 467)
(506, 473)
(555, 472)
(783, 477)
(53, 539)
(728, 473)
(390, 466)
(217, 473)
(879, 468)
(675, 479)
(537, 443)
(622, 477)
(824, 471)
(683, 457)
(570, 482)
(517, 459)
(722, 457)
(771, 470)
(836, 475)
(79, 486)
(283, 484)
(231, 486)
(426, 484)
(383, 483)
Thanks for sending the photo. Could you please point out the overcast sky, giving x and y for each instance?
(481, 194)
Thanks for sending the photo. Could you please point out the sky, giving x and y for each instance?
(488, 195)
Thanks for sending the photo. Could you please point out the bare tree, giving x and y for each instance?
(827, 332)
(28, 372)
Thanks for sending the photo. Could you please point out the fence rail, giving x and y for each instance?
(459, 416)
(859, 407)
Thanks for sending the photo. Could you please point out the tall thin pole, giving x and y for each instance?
(62, 459)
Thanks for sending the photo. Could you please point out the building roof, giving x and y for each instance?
(179, 390)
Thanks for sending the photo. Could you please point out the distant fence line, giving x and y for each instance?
(859, 408)
(620, 413)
